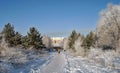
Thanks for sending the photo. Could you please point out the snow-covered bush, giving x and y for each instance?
(12, 54)
(3, 47)
(79, 49)
(65, 44)
(47, 41)
(102, 57)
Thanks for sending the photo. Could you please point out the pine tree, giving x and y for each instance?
(17, 39)
(89, 40)
(25, 41)
(35, 38)
(72, 39)
(9, 34)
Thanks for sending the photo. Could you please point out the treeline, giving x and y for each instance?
(14, 38)
(87, 41)
(79, 43)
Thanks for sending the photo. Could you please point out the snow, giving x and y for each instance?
(65, 63)
(52, 62)
(56, 65)
(24, 62)
(85, 65)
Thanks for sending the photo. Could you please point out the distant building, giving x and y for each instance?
(57, 41)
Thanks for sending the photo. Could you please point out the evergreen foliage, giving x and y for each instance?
(32, 39)
(35, 38)
(17, 39)
(72, 39)
(89, 41)
(9, 34)
(25, 41)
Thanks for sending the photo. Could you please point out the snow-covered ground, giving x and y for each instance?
(85, 65)
(25, 62)
(52, 62)
(65, 63)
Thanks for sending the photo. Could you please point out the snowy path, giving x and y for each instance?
(56, 65)
(65, 63)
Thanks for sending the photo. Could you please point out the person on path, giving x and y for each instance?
(58, 50)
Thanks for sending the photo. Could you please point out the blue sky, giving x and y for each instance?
(52, 15)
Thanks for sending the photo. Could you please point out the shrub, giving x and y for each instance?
(107, 47)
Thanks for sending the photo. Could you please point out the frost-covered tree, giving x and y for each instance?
(108, 29)
(47, 41)
(78, 46)
(65, 44)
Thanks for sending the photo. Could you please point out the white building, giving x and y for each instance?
(57, 41)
